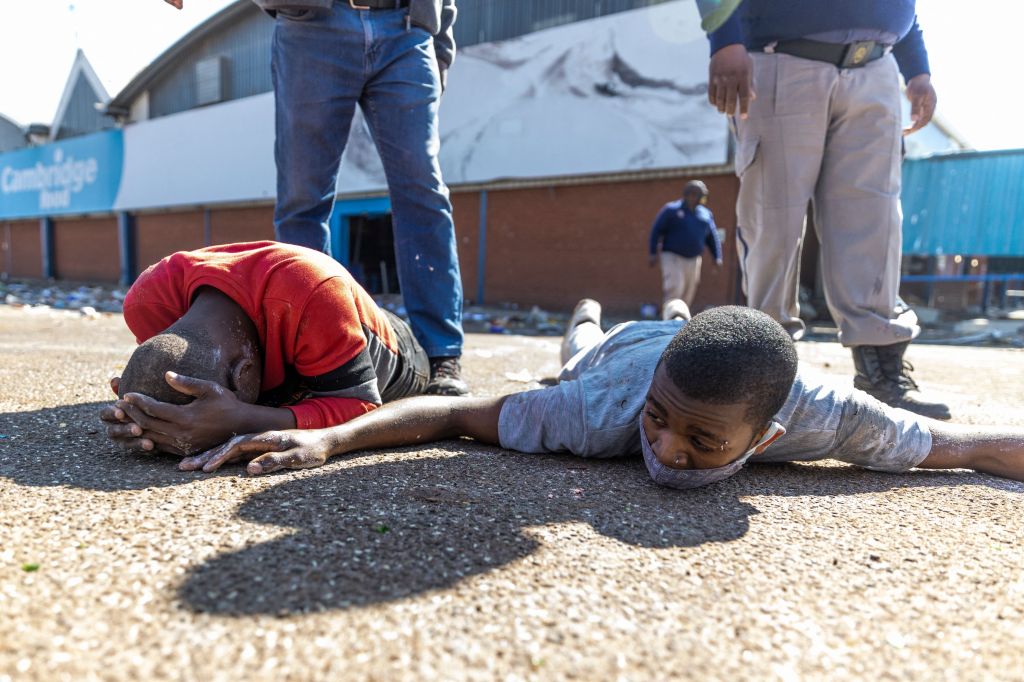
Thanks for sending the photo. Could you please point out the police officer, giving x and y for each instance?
(814, 92)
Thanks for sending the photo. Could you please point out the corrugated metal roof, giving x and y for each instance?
(967, 203)
(178, 50)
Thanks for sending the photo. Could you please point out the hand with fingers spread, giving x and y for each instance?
(922, 102)
(268, 452)
(731, 80)
(214, 415)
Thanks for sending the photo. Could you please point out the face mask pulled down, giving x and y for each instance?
(684, 479)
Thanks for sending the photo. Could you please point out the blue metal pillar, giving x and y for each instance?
(339, 224)
(47, 246)
(207, 228)
(481, 259)
(128, 249)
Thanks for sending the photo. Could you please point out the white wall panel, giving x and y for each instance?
(215, 154)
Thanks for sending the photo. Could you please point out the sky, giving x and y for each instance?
(975, 55)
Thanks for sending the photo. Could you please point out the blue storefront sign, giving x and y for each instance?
(80, 175)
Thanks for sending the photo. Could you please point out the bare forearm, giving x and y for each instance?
(262, 418)
(407, 422)
(423, 419)
(999, 452)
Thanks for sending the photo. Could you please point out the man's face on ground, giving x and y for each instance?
(689, 434)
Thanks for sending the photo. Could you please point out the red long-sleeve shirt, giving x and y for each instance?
(328, 350)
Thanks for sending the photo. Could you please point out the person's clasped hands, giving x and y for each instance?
(138, 422)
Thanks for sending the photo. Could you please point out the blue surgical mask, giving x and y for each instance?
(695, 478)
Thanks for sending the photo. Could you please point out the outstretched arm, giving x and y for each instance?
(999, 452)
(423, 419)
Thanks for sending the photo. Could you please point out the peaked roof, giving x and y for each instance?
(8, 122)
(12, 135)
(80, 69)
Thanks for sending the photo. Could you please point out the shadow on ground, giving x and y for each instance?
(387, 531)
(67, 445)
(383, 531)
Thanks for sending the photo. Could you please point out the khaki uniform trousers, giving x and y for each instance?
(831, 137)
(680, 277)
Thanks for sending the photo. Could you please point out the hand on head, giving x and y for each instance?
(213, 415)
(140, 422)
(185, 390)
(120, 427)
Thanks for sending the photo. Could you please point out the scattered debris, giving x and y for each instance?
(986, 325)
(89, 299)
(523, 376)
(926, 315)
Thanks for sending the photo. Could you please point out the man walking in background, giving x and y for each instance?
(391, 57)
(680, 234)
(814, 92)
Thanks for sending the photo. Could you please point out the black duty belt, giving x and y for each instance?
(377, 4)
(845, 56)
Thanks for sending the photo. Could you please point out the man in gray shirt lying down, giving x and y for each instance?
(697, 399)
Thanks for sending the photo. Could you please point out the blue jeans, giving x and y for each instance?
(324, 64)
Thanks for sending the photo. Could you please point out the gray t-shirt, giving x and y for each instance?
(594, 410)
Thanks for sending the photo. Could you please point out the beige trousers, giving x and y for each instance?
(830, 137)
(680, 277)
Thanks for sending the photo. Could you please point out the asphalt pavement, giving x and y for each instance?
(458, 561)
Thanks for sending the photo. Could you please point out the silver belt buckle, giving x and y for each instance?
(353, 5)
(857, 53)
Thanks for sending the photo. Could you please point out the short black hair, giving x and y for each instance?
(187, 351)
(695, 186)
(731, 355)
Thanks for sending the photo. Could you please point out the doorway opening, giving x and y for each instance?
(372, 253)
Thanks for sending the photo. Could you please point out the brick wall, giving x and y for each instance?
(86, 249)
(551, 246)
(229, 226)
(161, 234)
(545, 246)
(466, 209)
(21, 254)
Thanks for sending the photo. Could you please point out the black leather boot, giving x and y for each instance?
(446, 377)
(883, 373)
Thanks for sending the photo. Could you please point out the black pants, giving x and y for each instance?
(413, 365)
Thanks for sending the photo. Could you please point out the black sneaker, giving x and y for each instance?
(883, 373)
(446, 377)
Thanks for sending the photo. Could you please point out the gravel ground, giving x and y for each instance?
(466, 562)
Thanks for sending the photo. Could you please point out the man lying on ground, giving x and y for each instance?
(697, 399)
(251, 337)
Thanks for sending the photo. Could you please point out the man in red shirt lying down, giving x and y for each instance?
(250, 337)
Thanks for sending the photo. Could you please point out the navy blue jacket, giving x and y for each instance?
(685, 232)
(759, 22)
